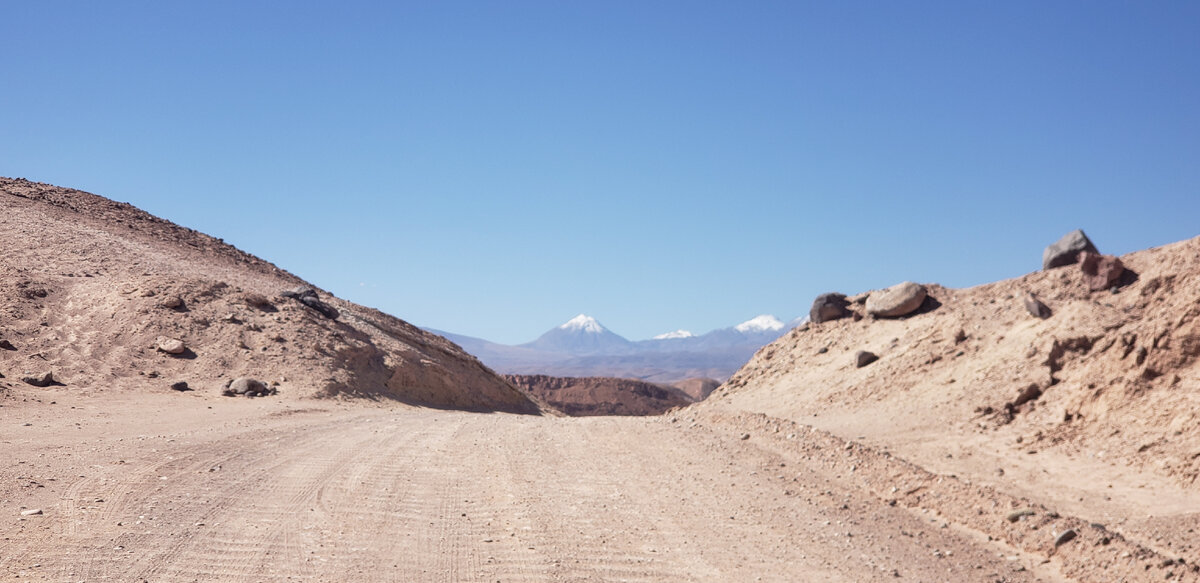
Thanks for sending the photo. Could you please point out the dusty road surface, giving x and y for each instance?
(167, 488)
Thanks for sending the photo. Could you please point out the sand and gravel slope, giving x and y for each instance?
(1113, 437)
(88, 286)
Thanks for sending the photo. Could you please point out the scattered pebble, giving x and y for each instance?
(1065, 537)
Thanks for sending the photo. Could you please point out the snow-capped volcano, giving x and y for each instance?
(584, 323)
(582, 346)
(759, 324)
(580, 335)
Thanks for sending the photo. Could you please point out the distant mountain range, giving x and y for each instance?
(582, 347)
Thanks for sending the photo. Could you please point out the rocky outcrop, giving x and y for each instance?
(1066, 251)
(896, 301)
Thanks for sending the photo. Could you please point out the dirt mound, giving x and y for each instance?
(600, 395)
(90, 289)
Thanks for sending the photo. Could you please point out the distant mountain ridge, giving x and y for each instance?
(583, 347)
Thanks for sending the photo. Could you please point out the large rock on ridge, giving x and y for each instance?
(828, 306)
(1066, 251)
(899, 300)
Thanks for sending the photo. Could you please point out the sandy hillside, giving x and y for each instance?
(88, 286)
(387, 454)
(1111, 435)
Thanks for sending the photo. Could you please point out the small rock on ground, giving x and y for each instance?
(170, 345)
(1065, 537)
(38, 380)
(1035, 306)
(863, 358)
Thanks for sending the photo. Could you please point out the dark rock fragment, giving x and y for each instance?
(863, 358)
(1066, 251)
(38, 380)
(308, 297)
(1066, 537)
(1035, 306)
(827, 307)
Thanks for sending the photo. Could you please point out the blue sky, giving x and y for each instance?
(495, 168)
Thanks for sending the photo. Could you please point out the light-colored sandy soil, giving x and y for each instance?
(195, 488)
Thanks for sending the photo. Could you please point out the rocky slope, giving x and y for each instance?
(95, 292)
(1113, 370)
(1090, 403)
(587, 396)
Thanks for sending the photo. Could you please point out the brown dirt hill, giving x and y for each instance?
(1094, 410)
(88, 285)
(587, 396)
(697, 389)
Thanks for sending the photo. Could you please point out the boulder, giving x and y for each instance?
(5, 344)
(172, 303)
(1035, 306)
(38, 380)
(308, 297)
(863, 358)
(1100, 271)
(1066, 251)
(170, 345)
(246, 386)
(828, 306)
(180, 386)
(899, 300)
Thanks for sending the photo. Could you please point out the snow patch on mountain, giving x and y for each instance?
(763, 323)
(584, 323)
(674, 335)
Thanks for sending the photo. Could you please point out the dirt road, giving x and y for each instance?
(195, 488)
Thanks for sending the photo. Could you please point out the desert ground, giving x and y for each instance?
(205, 488)
(380, 452)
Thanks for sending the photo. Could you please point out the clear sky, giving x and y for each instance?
(495, 168)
